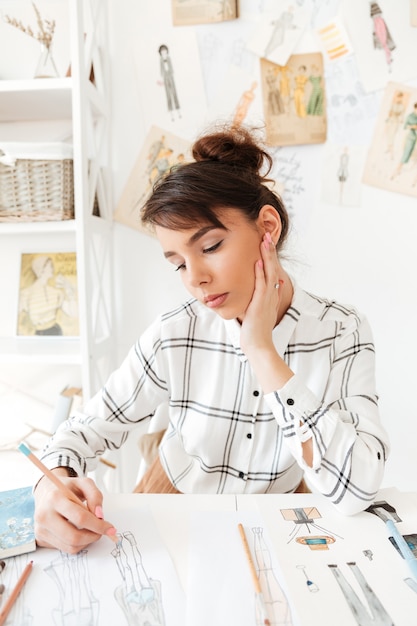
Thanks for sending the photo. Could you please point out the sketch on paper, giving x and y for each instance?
(160, 151)
(334, 40)
(278, 32)
(48, 299)
(277, 607)
(342, 174)
(294, 100)
(392, 157)
(384, 511)
(311, 586)
(381, 36)
(383, 40)
(77, 603)
(170, 87)
(187, 12)
(369, 613)
(139, 596)
(241, 111)
(304, 519)
(168, 79)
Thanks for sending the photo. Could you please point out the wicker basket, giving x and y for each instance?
(36, 189)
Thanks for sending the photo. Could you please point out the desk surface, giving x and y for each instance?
(182, 562)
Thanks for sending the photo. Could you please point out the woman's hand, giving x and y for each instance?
(64, 524)
(261, 316)
(269, 303)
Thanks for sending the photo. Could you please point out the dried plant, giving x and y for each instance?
(46, 28)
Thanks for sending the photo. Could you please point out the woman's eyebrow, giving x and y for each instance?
(194, 237)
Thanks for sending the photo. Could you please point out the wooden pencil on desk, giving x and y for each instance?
(13, 596)
(258, 591)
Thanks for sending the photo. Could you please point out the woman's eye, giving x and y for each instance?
(213, 248)
(180, 267)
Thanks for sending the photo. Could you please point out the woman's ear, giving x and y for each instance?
(269, 221)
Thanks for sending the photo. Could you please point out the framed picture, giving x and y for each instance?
(48, 300)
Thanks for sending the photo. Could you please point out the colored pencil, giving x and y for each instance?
(13, 596)
(403, 547)
(55, 479)
(258, 591)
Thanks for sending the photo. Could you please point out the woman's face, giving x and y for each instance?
(216, 265)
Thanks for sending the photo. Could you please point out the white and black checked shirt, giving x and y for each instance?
(224, 434)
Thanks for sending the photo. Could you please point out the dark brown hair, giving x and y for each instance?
(226, 173)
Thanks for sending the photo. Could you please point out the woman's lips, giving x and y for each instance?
(216, 300)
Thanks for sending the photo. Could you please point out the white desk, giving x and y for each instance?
(197, 536)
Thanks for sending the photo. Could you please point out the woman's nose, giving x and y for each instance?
(197, 274)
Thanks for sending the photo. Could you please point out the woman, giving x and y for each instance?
(265, 383)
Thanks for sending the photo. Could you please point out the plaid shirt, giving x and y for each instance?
(225, 435)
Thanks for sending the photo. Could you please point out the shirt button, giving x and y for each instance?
(241, 474)
(249, 436)
(256, 392)
(290, 401)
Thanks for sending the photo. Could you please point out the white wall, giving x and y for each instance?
(364, 256)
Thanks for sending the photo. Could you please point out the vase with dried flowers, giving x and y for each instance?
(46, 67)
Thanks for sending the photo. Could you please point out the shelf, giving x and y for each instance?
(31, 228)
(44, 99)
(56, 350)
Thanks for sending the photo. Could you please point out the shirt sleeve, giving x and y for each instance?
(129, 398)
(350, 446)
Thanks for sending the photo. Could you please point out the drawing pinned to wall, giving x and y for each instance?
(278, 32)
(160, 151)
(394, 166)
(342, 174)
(384, 42)
(372, 611)
(334, 40)
(48, 300)
(298, 116)
(351, 111)
(170, 82)
(168, 79)
(296, 180)
(186, 12)
(238, 99)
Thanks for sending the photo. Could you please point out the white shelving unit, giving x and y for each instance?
(85, 104)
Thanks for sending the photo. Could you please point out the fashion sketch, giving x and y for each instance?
(186, 12)
(243, 105)
(373, 613)
(167, 75)
(280, 27)
(381, 35)
(343, 171)
(77, 603)
(394, 121)
(393, 166)
(139, 596)
(277, 606)
(294, 100)
(48, 304)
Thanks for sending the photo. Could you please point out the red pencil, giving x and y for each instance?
(13, 596)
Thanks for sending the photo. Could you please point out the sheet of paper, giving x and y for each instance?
(103, 585)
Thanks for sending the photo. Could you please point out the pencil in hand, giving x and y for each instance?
(59, 484)
(13, 596)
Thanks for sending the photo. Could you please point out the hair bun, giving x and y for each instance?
(233, 145)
